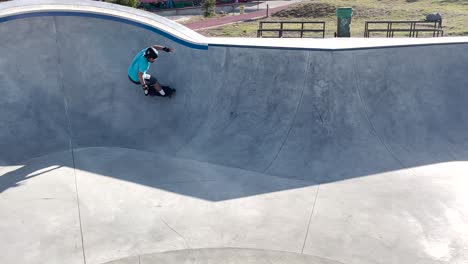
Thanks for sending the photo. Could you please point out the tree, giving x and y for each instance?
(208, 7)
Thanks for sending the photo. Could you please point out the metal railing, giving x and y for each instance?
(282, 30)
(412, 27)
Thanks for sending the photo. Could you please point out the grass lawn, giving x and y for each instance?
(454, 14)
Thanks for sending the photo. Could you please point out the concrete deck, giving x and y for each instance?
(347, 151)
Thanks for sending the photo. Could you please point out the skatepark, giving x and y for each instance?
(330, 151)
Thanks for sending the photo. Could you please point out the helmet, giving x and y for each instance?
(151, 53)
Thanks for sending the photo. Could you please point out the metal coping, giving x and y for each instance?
(107, 17)
(337, 49)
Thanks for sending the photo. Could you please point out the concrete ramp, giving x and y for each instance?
(346, 151)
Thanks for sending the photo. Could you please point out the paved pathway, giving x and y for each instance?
(216, 22)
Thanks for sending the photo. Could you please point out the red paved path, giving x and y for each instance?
(231, 19)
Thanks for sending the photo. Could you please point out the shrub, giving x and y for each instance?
(130, 3)
(208, 7)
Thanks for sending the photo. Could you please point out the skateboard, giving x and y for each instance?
(168, 90)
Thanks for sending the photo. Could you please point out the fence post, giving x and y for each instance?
(259, 32)
(281, 30)
(302, 29)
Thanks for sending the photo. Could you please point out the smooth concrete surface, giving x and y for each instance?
(226, 255)
(289, 154)
(39, 215)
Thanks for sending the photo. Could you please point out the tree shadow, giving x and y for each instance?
(187, 177)
(192, 178)
(15, 178)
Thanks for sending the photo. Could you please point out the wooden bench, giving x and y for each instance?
(412, 27)
(279, 28)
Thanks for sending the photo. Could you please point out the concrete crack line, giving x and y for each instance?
(78, 206)
(60, 82)
(310, 219)
(366, 113)
(185, 241)
(320, 115)
(295, 115)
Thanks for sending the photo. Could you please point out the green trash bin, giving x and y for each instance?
(344, 15)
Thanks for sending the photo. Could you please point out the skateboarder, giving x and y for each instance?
(137, 72)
